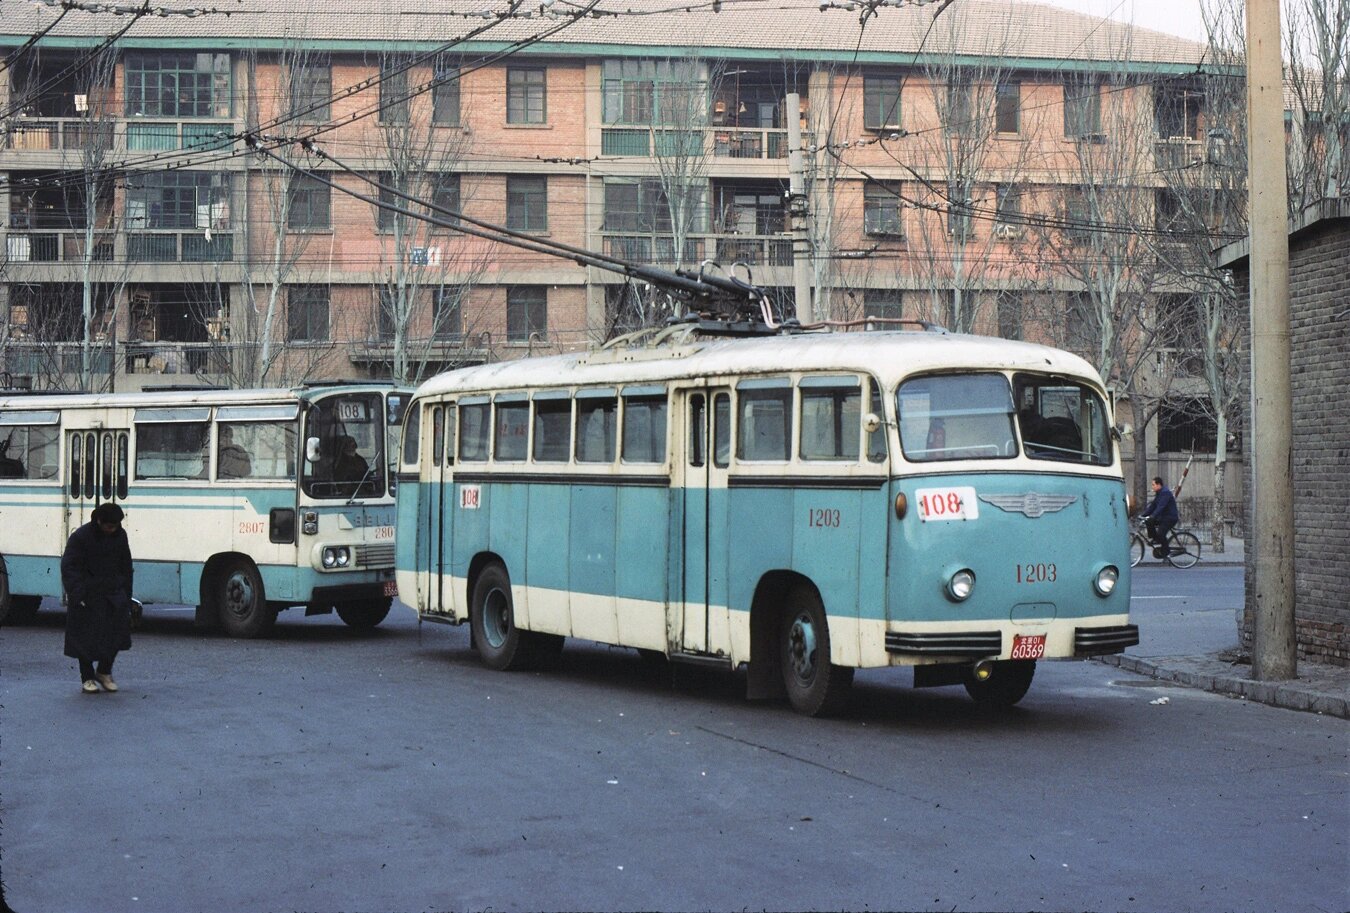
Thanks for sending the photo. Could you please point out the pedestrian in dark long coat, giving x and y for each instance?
(96, 572)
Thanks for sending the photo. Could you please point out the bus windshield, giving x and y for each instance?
(978, 416)
(957, 417)
(351, 435)
(1061, 419)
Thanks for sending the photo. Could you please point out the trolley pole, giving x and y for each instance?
(796, 207)
(1273, 644)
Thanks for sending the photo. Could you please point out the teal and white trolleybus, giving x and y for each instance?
(239, 502)
(805, 505)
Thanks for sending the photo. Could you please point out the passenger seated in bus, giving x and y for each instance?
(10, 468)
(348, 465)
(232, 460)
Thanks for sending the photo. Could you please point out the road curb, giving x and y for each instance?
(1206, 673)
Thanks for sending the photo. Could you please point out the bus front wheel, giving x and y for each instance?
(492, 618)
(815, 686)
(1005, 686)
(241, 601)
(364, 614)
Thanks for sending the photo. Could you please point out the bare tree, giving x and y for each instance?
(1317, 45)
(426, 273)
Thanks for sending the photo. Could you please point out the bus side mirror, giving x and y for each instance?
(1120, 431)
(312, 450)
(871, 422)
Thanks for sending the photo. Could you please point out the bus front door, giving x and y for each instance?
(704, 626)
(96, 471)
(436, 513)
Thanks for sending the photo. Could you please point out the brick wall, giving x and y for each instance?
(1319, 279)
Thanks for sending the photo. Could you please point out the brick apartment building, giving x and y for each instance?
(948, 172)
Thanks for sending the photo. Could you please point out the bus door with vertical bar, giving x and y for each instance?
(97, 470)
(435, 528)
(706, 414)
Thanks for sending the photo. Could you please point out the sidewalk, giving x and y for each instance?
(1319, 687)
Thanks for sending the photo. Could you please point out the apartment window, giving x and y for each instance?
(1169, 215)
(959, 206)
(177, 85)
(445, 94)
(311, 203)
(1082, 109)
(887, 303)
(393, 90)
(445, 196)
(178, 200)
(881, 102)
(881, 209)
(1008, 106)
(653, 92)
(1177, 110)
(525, 95)
(527, 203)
(307, 313)
(312, 88)
(1080, 211)
(386, 313)
(1082, 324)
(1187, 427)
(1007, 210)
(1010, 308)
(526, 313)
(446, 314)
(960, 107)
(385, 218)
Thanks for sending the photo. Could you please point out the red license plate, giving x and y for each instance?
(1028, 646)
(391, 589)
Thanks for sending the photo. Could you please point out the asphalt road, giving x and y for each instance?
(327, 770)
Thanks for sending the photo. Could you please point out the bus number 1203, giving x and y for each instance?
(820, 517)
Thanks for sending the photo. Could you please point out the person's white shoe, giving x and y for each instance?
(89, 686)
(106, 681)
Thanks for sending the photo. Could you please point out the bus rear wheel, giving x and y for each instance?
(240, 600)
(815, 686)
(1005, 686)
(16, 610)
(492, 617)
(364, 614)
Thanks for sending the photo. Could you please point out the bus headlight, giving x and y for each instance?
(1105, 581)
(336, 556)
(960, 585)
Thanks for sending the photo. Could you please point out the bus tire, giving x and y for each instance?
(815, 686)
(1005, 687)
(240, 600)
(364, 614)
(16, 610)
(492, 618)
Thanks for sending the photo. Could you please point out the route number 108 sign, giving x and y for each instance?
(938, 504)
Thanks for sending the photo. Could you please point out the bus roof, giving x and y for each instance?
(205, 396)
(887, 355)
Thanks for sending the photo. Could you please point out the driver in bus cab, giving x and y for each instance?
(348, 465)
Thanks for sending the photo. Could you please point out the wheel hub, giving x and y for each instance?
(802, 648)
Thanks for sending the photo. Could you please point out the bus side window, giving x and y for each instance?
(722, 430)
(765, 424)
(595, 429)
(450, 435)
(411, 435)
(553, 430)
(437, 437)
(473, 432)
(876, 441)
(644, 429)
(697, 422)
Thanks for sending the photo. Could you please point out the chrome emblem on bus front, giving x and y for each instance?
(1032, 504)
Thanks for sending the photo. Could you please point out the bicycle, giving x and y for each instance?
(1183, 547)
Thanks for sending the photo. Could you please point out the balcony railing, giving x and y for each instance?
(175, 357)
(55, 134)
(756, 250)
(56, 246)
(185, 247)
(726, 142)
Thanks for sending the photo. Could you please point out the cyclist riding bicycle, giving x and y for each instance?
(1161, 516)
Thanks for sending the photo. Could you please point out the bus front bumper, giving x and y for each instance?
(1097, 641)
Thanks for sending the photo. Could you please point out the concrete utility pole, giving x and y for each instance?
(1273, 647)
(796, 206)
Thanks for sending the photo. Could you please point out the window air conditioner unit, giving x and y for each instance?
(1007, 232)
